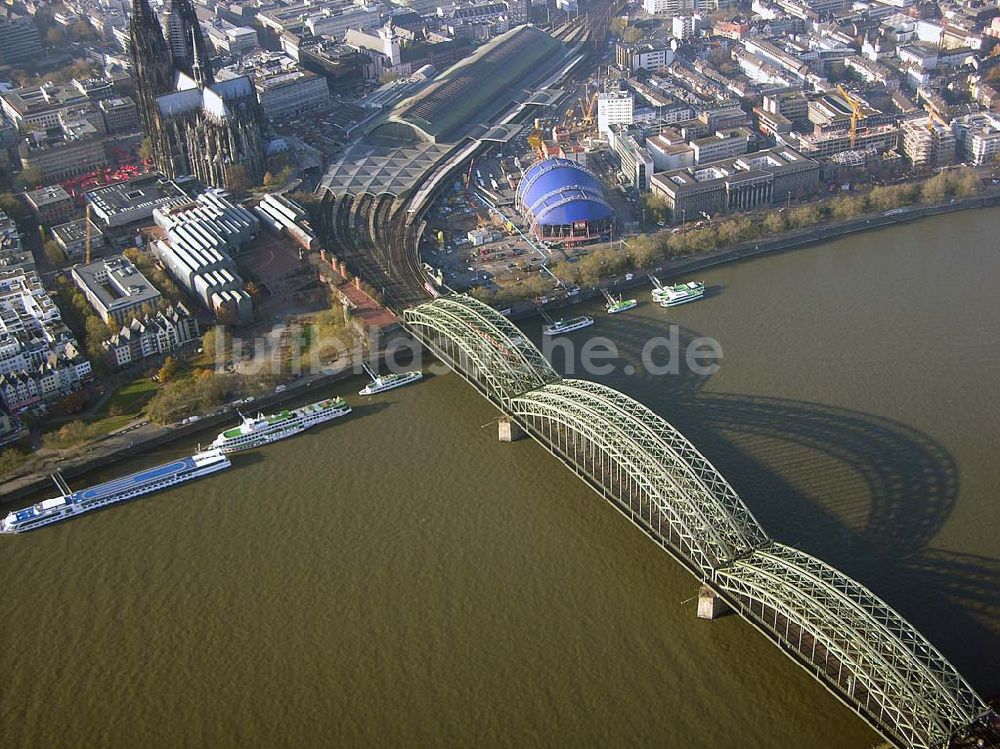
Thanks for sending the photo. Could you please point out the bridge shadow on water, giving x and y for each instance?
(862, 492)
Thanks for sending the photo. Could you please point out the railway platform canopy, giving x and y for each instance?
(479, 86)
(370, 169)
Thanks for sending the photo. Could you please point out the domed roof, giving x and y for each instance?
(560, 191)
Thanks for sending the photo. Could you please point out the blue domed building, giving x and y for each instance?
(563, 201)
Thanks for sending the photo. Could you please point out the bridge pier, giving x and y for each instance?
(710, 604)
(508, 431)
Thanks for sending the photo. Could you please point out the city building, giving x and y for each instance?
(227, 38)
(669, 152)
(72, 238)
(723, 144)
(635, 165)
(200, 238)
(286, 217)
(39, 107)
(133, 200)
(670, 7)
(120, 115)
(746, 182)
(197, 126)
(19, 40)
(823, 144)
(335, 18)
(685, 27)
(152, 335)
(39, 357)
(13, 254)
(614, 108)
(642, 56)
(284, 89)
(51, 205)
(77, 148)
(927, 143)
(563, 201)
(115, 288)
(978, 137)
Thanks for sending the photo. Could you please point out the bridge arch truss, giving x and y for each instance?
(849, 639)
(482, 345)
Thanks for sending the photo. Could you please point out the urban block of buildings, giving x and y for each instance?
(134, 200)
(775, 175)
(152, 335)
(40, 359)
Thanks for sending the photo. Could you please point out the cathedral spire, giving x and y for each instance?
(151, 67)
(184, 34)
(197, 72)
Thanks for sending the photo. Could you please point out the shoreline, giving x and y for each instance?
(37, 480)
(787, 241)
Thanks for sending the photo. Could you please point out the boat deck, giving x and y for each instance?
(134, 480)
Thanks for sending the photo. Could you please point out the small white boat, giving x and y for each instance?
(616, 304)
(568, 325)
(682, 293)
(381, 383)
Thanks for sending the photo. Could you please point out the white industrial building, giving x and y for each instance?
(284, 216)
(196, 250)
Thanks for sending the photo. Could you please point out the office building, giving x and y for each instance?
(115, 288)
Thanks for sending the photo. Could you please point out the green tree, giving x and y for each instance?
(10, 459)
(644, 251)
(239, 180)
(54, 36)
(883, 198)
(13, 207)
(804, 216)
(146, 149)
(83, 31)
(847, 206)
(967, 182)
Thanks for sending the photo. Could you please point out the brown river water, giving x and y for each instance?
(399, 578)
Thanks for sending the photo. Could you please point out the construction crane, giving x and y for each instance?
(856, 110)
(588, 110)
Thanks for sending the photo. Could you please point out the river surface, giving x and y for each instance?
(398, 578)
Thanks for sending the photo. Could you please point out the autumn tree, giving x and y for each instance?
(31, 177)
(54, 254)
(775, 222)
(168, 371)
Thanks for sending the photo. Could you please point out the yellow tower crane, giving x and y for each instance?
(855, 111)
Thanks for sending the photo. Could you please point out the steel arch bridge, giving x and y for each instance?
(850, 640)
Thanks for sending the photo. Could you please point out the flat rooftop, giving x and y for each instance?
(47, 195)
(116, 282)
(147, 190)
(76, 231)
